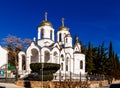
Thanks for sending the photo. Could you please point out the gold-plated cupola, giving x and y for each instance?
(45, 22)
(63, 27)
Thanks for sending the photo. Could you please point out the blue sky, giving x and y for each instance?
(91, 20)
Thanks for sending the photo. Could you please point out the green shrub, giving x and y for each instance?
(39, 77)
(36, 67)
(48, 70)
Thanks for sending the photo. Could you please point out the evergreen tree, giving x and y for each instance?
(89, 59)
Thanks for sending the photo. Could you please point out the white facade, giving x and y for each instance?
(3, 61)
(3, 57)
(46, 50)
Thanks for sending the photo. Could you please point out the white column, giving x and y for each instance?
(20, 64)
(51, 58)
(39, 34)
(42, 58)
(28, 61)
(57, 37)
(53, 35)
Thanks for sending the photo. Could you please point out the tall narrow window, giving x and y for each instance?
(42, 34)
(62, 57)
(51, 34)
(61, 66)
(23, 62)
(81, 64)
(66, 40)
(60, 39)
(67, 64)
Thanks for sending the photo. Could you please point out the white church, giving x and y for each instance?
(44, 49)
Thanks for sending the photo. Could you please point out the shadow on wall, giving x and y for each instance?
(115, 86)
(2, 87)
(27, 84)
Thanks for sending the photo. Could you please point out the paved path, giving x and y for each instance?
(9, 85)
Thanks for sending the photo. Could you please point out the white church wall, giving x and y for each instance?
(3, 56)
(77, 59)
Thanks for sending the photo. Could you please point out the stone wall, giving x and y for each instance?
(67, 84)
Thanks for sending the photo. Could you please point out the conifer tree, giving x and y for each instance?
(89, 59)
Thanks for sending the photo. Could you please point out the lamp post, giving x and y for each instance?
(16, 73)
(80, 76)
(42, 73)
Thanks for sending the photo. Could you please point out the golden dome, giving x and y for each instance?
(45, 23)
(63, 28)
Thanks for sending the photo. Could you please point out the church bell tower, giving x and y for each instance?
(45, 32)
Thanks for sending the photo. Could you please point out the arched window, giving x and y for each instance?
(42, 33)
(67, 64)
(55, 55)
(60, 37)
(61, 66)
(81, 64)
(34, 57)
(46, 56)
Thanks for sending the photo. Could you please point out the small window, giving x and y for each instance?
(66, 67)
(60, 39)
(61, 66)
(51, 34)
(66, 40)
(55, 77)
(81, 64)
(62, 57)
(67, 64)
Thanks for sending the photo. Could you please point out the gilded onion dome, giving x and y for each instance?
(45, 22)
(63, 27)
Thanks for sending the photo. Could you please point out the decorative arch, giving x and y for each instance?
(34, 55)
(46, 56)
(21, 61)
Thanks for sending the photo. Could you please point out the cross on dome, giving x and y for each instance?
(63, 22)
(46, 14)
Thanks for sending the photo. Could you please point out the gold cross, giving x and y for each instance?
(63, 22)
(46, 14)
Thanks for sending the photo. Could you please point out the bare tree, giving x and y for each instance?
(14, 46)
(16, 42)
